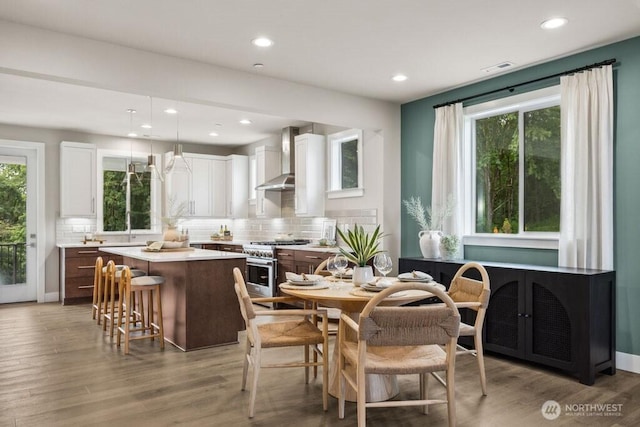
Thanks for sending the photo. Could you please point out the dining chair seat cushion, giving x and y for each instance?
(147, 281)
(399, 360)
(290, 333)
(467, 330)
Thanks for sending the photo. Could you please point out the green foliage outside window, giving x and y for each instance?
(498, 166)
(13, 223)
(115, 201)
(349, 153)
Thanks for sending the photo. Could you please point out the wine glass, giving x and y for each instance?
(333, 269)
(341, 263)
(382, 262)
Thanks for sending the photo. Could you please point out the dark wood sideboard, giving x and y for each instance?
(558, 317)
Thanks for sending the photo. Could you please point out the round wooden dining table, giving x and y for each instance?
(351, 300)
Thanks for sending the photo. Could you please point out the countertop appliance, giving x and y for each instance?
(262, 266)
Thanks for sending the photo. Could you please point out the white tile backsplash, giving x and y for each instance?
(70, 230)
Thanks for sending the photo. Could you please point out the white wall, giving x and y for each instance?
(55, 56)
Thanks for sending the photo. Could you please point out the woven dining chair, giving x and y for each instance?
(399, 341)
(472, 294)
(287, 333)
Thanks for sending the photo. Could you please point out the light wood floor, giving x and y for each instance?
(58, 369)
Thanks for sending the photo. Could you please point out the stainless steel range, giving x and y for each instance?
(262, 266)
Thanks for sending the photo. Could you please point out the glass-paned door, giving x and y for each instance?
(17, 226)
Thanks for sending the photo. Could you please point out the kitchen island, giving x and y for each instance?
(199, 305)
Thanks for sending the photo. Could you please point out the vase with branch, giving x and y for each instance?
(431, 221)
(175, 213)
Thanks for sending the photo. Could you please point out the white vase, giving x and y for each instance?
(362, 275)
(430, 243)
(171, 234)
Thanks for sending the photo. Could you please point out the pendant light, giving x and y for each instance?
(131, 168)
(151, 159)
(177, 162)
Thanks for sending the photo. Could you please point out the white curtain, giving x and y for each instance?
(447, 164)
(586, 213)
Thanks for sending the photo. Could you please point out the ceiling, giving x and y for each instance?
(353, 46)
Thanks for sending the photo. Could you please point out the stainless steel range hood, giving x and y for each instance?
(285, 181)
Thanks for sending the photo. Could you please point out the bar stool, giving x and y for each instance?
(97, 290)
(127, 318)
(106, 299)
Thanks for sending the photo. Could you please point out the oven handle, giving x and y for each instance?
(259, 261)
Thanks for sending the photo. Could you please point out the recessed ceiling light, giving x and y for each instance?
(132, 134)
(262, 42)
(258, 65)
(552, 23)
(145, 126)
(213, 133)
(171, 111)
(245, 122)
(399, 78)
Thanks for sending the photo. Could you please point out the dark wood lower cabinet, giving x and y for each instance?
(558, 317)
(77, 266)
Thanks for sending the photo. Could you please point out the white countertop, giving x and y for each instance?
(105, 244)
(178, 256)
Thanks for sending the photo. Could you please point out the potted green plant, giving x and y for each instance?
(363, 247)
(449, 245)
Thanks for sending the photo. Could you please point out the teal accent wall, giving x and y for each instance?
(417, 154)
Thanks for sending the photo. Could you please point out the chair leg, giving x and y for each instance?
(451, 398)
(325, 376)
(127, 313)
(254, 387)
(159, 321)
(424, 391)
(361, 397)
(341, 387)
(480, 356)
(245, 368)
(113, 312)
(98, 307)
(306, 361)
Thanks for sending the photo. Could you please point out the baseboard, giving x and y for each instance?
(51, 296)
(628, 362)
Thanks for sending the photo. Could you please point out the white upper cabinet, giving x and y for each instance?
(203, 190)
(78, 175)
(310, 174)
(267, 167)
(237, 191)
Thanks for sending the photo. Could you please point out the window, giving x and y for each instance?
(345, 164)
(514, 147)
(128, 200)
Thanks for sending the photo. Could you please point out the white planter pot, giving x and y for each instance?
(362, 275)
(430, 243)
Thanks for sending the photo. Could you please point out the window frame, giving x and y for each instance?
(522, 103)
(334, 164)
(156, 188)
